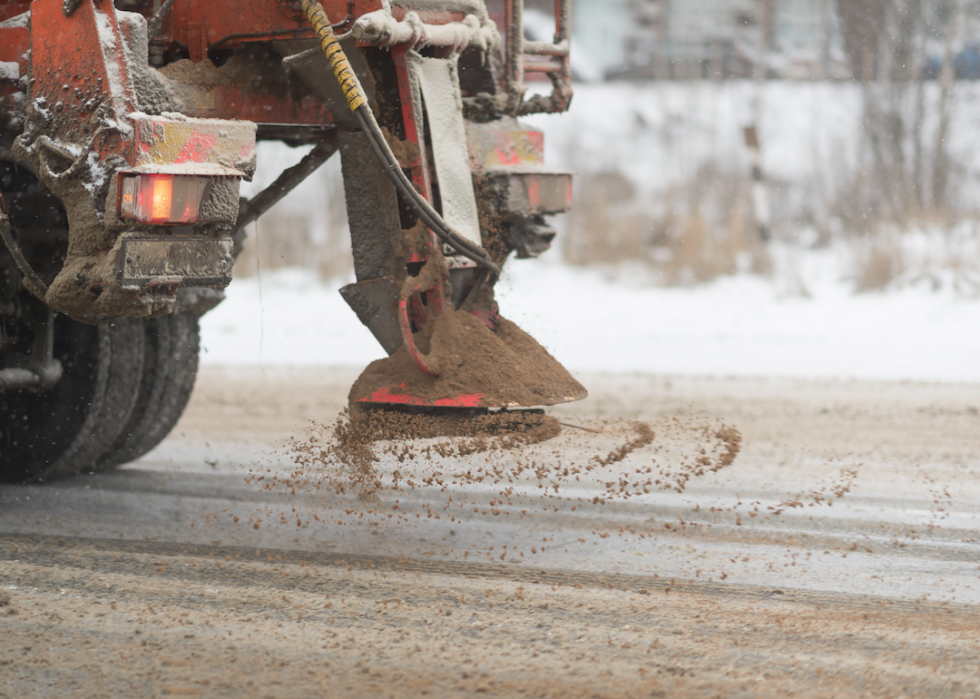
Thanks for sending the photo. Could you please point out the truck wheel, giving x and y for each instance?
(64, 430)
(169, 370)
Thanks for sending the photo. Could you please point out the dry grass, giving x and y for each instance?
(304, 230)
(703, 229)
(605, 224)
(691, 234)
(879, 261)
(285, 239)
(695, 249)
(936, 248)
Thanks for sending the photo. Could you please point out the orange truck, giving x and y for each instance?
(126, 129)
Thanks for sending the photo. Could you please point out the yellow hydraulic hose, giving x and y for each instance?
(335, 54)
(357, 100)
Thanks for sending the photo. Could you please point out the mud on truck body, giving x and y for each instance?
(126, 129)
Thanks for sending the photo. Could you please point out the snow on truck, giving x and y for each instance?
(126, 129)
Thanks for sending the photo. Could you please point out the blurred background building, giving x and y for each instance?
(788, 39)
(711, 39)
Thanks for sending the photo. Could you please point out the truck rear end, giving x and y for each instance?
(126, 130)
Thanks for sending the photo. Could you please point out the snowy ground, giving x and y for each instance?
(739, 326)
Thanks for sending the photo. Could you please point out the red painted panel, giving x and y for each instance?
(12, 9)
(14, 42)
(265, 20)
(69, 57)
(386, 395)
(231, 101)
(463, 400)
(198, 148)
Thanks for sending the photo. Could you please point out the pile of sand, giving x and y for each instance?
(506, 368)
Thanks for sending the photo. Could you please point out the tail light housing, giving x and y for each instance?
(163, 198)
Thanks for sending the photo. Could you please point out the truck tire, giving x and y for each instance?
(125, 383)
(169, 370)
(65, 430)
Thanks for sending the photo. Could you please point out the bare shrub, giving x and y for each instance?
(906, 120)
(605, 224)
(696, 250)
(946, 257)
(878, 262)
(693, 233)
(707, 230)
(936, 254)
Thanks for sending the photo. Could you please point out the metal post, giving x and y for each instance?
(760, 195)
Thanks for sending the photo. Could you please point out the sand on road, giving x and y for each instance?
(107, 590)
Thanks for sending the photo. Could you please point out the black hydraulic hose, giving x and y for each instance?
(358, 105)
(419, 203)
(32, 282)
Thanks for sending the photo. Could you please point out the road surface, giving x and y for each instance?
(838, 554)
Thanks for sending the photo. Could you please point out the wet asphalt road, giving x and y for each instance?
(853, 498)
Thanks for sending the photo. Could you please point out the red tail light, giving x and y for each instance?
(163, 198)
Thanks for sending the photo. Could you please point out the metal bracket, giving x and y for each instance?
(41, 370)
(556, 64)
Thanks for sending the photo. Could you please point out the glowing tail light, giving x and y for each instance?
(163, 198)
